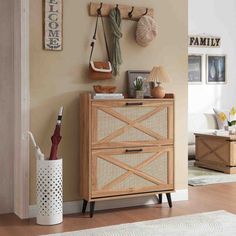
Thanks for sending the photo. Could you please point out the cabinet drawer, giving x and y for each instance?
(131, 123)
(131, 171)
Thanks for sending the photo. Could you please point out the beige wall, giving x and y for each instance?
(6, 106)
(57, 78)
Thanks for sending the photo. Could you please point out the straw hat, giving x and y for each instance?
(146, 30)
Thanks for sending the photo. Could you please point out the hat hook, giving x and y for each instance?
(130, 13)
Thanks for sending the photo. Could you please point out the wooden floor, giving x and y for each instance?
(201, 199)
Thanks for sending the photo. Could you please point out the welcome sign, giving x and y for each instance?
(53, 25)
(204, 41)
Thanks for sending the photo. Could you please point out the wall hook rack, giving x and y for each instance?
(104, 9)
(146, 12)
(131, 12)
(99, 10)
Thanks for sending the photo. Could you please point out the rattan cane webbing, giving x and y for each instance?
(157, 123)
(158, 168)
(106, 172)
(107, 124)
(133, 113)
(133, 134)
(132, 182)
(133, 159)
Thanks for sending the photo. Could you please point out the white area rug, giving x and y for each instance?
(200, 176)
(217, 223)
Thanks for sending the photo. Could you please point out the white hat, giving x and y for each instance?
(146, 30)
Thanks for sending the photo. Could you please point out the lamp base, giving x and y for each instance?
(158, 92)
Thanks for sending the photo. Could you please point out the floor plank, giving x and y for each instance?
(201, 199)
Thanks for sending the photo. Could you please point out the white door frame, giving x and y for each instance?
(22, 108)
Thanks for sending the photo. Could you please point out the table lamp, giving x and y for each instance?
(158, 75)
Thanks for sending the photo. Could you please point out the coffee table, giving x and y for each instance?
(217, 152)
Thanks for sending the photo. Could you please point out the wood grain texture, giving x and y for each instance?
(124, 9)
(110, 109)
(215, 152)
(85, 146)
(103, 158)
(201, 199)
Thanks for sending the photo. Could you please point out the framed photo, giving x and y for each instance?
(216, 69)
(147, 86)
(195, 69)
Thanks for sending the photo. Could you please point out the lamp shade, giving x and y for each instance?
(158, 75)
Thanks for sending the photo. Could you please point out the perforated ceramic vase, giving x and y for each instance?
(49, 192)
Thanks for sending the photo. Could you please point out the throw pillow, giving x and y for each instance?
(221, 124)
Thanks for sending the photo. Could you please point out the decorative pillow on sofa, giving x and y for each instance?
(228, 114)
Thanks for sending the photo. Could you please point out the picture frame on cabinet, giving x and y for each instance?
(131, 77)
(216, 69)
(195, 70)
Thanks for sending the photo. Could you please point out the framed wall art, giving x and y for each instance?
(132, 75)
(195, 69)
(216, 69)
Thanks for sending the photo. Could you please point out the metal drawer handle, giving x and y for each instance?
(134, 150)
(134, 104)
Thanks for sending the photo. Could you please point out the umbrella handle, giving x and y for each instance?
(53, 152)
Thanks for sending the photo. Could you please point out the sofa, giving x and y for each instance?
(199, 123)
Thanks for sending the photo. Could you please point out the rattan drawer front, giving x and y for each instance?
(129, 171)
(119, 124)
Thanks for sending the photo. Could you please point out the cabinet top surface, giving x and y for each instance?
(210, 135)
(133, 100)
(169, 97)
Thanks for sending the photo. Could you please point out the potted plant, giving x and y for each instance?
(230, 122)
(138, 85)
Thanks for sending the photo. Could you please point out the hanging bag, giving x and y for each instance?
(99, 70)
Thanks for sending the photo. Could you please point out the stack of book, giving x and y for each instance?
(221, 132)
(108, 96)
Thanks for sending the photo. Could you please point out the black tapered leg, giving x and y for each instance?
(84, 206)
(92, 205)
(168, 196)
(160, 198)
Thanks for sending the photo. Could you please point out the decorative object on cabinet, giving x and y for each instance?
(104, 89)
(99, 70)
(138, 84)
(53, 25)
(126, 148)
(146, 30)
(158, 75)
(195, 69)
(216, 69)
(127, 12)
(147, 86)
(115, 22)
(110, 96)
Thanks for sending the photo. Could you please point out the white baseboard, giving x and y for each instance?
(76, 206)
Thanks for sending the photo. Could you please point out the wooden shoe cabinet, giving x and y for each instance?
(126, 148)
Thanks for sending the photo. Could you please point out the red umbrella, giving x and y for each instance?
(56, 137)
